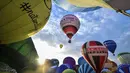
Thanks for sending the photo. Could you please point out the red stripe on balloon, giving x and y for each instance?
(102, 60)
(92, 43)
(70, 28)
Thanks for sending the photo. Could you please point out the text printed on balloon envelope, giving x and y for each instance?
(26, 7)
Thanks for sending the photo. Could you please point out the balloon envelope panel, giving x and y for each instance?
(20, 19)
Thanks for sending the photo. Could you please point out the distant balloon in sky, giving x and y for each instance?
(111, 45)
(70, 25)
(19, 19)
(124, 57)
(69, 7)
(96, 54)
(61, 45)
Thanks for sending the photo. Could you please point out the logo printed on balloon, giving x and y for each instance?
(26, 7)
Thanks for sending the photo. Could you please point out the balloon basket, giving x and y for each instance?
(69, 41)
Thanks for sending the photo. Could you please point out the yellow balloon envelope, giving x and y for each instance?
(61, 45)
(89, 3)
(19, 19)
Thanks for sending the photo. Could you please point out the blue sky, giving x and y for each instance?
(102, 24)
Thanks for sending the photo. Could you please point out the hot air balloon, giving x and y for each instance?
(81, 61)
(108, 64)
(52, 69)
(19, 55)
(106, 71)
(61, 45)
(124, 68)
(70, 25)
(69, 7)
(20, 19)
(85, 68)
(111, 45)
(95, 53)
(76, 67)
(70, 61)
(55, 62)
(62, 67)
(124, 57)
(68, 71)
(120, 6)
(89, 3)
(111, 65)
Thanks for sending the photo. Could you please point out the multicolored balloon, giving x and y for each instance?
(85, 68)
(70, 25)
(124, 68)
(95, 53)
(111, 45)
(124, 57)
(69, 7)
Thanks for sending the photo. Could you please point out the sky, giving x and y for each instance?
(100, 25)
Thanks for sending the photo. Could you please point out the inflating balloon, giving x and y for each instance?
(111, 65)
(27, 18)
(52, 69)
(114, 67)
(70, 25)
(69, 7)
(124, 68)
(124, 57)
(85, 68)
(76, 67)
(62, 68)
(81, 61)
(68, 71)
(108, 64)
(111, 45)
(55, 62)
(70, 61)
(95, 53)
(106, 71)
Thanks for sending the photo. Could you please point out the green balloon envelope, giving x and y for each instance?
(68, 71)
